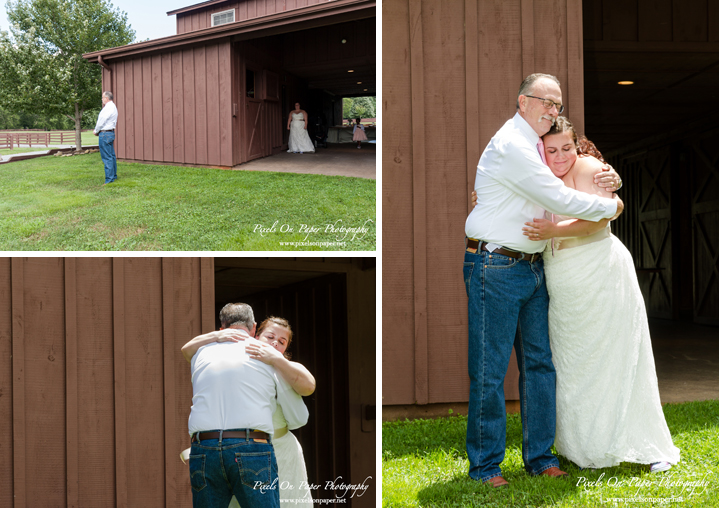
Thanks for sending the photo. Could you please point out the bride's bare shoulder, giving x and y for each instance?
(588, 164)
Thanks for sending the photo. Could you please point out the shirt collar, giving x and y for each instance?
(526, 129)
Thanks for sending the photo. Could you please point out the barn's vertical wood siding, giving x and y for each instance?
(96, 392)
(6, 382)
(170, 107)
(450, 80)
(246, 9)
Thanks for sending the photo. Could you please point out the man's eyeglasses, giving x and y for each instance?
(547, 103)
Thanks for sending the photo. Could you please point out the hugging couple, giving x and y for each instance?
(587, 381)
(247, 396)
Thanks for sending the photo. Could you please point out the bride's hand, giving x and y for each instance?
(228, 335)
(474, 198)
(540, 229)
(264, 353)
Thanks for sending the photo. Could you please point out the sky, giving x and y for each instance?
(148, 18)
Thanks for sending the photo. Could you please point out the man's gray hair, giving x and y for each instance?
(526, 87)
(237, 314)
(107, 94)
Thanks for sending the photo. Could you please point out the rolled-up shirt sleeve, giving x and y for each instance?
(293, 407)
(529, 177)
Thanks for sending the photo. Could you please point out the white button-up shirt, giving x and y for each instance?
(514, 186)
(233, 391)
(107, 120)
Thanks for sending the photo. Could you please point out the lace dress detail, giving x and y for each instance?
(608, 407)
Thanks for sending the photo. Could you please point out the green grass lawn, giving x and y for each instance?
(424, 464)
(59, 203)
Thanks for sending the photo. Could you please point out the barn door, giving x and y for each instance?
(273, 114)
(655, 230)
(317, 311)
(253, 113)
(705, 227)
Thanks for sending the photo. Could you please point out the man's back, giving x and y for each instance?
(231, 391)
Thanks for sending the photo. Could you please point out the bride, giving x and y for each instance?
(297, 125)
(608, 407)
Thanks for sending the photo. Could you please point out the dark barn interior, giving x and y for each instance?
(317, 67)
(660, 134)
(316, 299)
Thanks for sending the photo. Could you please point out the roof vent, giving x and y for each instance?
(221, 18)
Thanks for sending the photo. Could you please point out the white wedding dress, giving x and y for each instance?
(291, 470)
(608, 407)
(299, 138)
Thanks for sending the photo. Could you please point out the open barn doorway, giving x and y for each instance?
(317, 297)
(650, 74)
(317, 68)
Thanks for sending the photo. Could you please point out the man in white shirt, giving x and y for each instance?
(105, 129)
(230, 423)
(504, 278)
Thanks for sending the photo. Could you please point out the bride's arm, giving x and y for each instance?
(294, 373)
(543, 229)
(583, 179)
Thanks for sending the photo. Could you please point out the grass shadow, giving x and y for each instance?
(703, 415)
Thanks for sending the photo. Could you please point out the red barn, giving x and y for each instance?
(219, 92)
(95, 393)
(451, 73)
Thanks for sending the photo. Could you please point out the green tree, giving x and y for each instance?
(42, 66)
(359, 107)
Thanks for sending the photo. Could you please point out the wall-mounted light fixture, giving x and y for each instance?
(625, 82)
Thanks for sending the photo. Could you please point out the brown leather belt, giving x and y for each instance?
(230, 434)
(476, 245)
(109, 130)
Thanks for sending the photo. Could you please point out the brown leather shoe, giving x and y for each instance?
(497, 481)
(553, 471)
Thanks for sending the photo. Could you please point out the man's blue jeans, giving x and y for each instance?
(508, 305)
(107, 152)
(241, 467)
